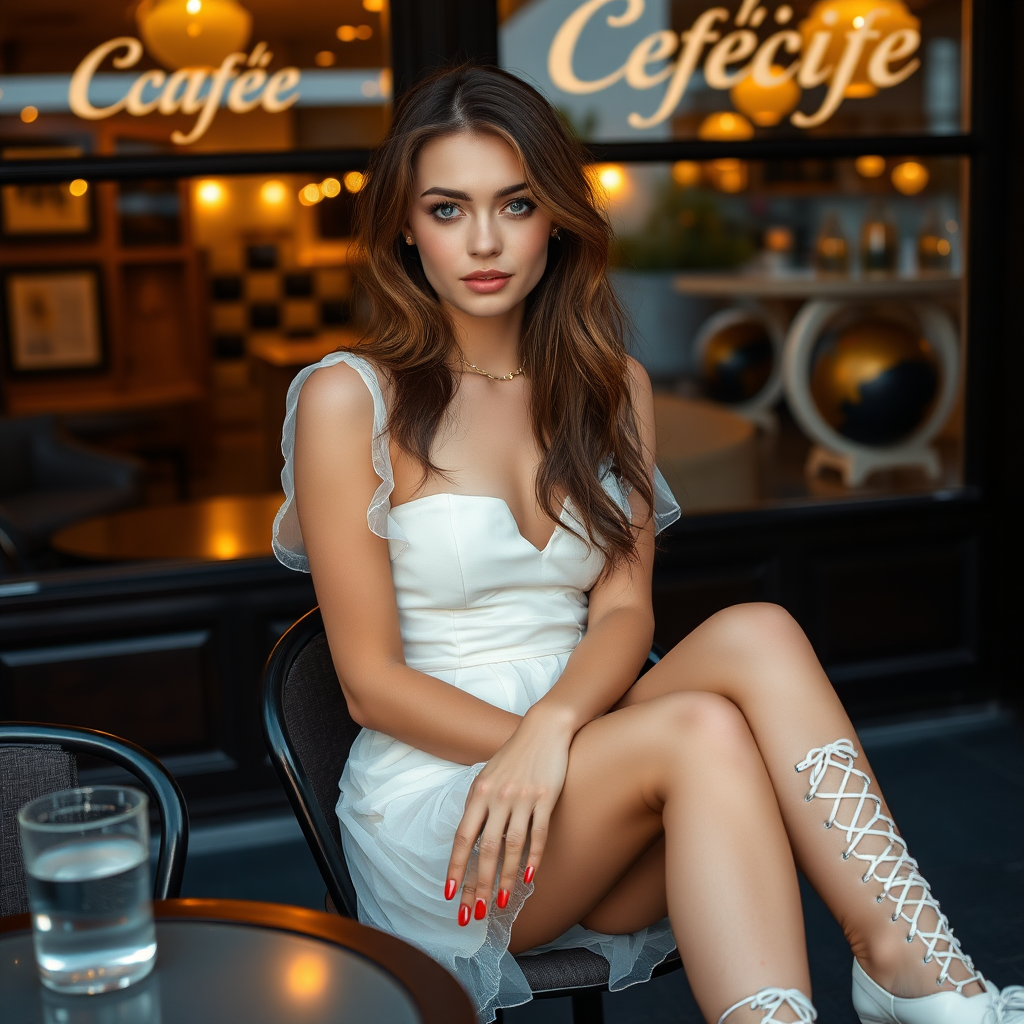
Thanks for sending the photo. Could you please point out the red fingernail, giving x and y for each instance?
(502, 900)
(449, 888)
(528, 874)
(481, 910)
(463, 915)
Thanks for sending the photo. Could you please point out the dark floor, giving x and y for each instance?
(955, 786)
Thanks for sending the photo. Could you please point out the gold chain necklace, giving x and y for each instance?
(491, 376)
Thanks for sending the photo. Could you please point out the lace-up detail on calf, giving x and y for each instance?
(772, 1000)
(898, 872)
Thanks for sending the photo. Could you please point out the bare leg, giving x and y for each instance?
(684, 767)
(758, 657)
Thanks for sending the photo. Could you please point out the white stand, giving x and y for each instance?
(758, 409)
(856, 462)
(856, 467)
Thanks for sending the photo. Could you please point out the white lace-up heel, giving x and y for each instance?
(903, 884)
(772, 1000)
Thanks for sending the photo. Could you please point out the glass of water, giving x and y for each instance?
(87, 863)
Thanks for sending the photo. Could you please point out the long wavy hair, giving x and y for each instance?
(572, 343)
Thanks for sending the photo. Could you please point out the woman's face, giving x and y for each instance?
(482, 237)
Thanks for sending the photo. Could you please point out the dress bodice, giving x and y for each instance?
(470, 589)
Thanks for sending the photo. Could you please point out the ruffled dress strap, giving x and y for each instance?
(287, 540)
(666, 508)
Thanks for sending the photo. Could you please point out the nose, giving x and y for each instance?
(484, 237)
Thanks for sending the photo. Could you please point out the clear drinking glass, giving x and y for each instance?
(87, 863)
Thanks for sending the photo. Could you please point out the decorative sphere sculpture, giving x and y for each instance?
(875, 381)
(736, 361)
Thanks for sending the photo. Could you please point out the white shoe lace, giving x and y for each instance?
(1009, 1005)
(772, 999)
(902, 882)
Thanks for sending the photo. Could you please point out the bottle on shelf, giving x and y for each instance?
(879, 241)
(831, 250)
(934, 247)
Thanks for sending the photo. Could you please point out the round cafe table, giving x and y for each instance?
(237, 526)
(236, 962)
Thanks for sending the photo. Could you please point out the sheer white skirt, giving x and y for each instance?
(399, 809)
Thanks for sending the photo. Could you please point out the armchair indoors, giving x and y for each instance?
(49, 481)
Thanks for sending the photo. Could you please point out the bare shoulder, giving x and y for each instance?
(338, 395)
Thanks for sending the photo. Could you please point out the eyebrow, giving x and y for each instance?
(454, 193)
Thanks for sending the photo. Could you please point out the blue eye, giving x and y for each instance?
(525, 207)
(444, 211)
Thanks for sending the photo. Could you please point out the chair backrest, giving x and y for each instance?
(309, 733)
(21, 760)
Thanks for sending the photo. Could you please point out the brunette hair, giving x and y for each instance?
(572, 344)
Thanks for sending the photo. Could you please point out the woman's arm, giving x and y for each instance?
(620, 624)
(334, 483)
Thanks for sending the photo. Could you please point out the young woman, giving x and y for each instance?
(473, 489)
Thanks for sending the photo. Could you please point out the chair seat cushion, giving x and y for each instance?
(39, 514)
(574, 968)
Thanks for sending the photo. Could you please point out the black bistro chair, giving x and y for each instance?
(309, 732)
(37, 759)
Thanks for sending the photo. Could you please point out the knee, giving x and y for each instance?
(701, 723)
(758, 629)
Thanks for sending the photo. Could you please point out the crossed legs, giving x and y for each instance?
(685, 799)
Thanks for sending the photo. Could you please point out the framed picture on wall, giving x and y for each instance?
(45, 210)
(52, 320)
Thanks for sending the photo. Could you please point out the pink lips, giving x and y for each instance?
(485, 282)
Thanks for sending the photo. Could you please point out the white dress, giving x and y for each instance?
(484, 610)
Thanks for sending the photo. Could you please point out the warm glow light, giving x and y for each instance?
(375, 6)
(330, 187)
(225, 544)
(766, 105)
(353, 181)
(729, 175)
(307, 976)
(838, 17)
(384, 81)
(612, 178)
(78, 187)
(910, 177)
(310, 195)
(686, 173)
(29, 114)
(210, 193)
(324, 59)
(942, 247)
(273, 193)
(197, 33)
(725, 126)
(870, 166)
(346, 33)
(363, 31)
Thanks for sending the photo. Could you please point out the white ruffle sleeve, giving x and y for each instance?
(287, 540)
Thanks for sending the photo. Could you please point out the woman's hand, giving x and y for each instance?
(508, 806)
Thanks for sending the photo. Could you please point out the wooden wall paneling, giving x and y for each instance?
(169, 656)
(152, 689)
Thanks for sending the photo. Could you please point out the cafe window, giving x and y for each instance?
(158, 323)
(665, 69)
(800, 313)
(189, 76)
